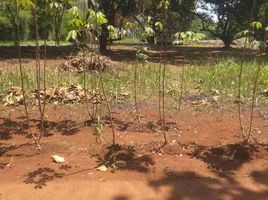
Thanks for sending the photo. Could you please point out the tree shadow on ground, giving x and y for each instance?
(127, 52)
(4, 149)
(135, 126)
(41, 176)
(53, 52)
(260, 177)
(177, 54)
(124, 157)
(65, 127)
(121, 197)
(227, 158)
(9, 128)
(9, 152)
(191, 186)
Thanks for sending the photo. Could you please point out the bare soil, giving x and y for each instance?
(203, 160)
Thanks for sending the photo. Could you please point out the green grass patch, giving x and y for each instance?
(200, 78)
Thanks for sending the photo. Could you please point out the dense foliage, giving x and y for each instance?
(219, 19)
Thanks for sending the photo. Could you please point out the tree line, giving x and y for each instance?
(228, 18)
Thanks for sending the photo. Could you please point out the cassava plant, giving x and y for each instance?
(25, 4)
(81, 25)
(39, 75)
(186, 38)
(100, 19)
(91, 22)
(165, 5)
(141, 57)
(247, 34)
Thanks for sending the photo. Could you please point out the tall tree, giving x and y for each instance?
(233, 16)
(8, 9)
(179, 15)
(115, 12)
(56, 11)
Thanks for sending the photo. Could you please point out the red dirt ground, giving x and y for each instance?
(203, 160)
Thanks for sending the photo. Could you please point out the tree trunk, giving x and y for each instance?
(103, 39)
(57, 36)
(151, 40)
(227, 40)
(15, 41)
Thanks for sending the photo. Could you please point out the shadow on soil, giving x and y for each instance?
(115, 158)
(65, 127)
(189, 185)
(121, 197)
(135, 126)
(127, 52)
(9, 128)
(123, 157)
(41, 176)
(175, 54)
(230, 157)
(11, 52)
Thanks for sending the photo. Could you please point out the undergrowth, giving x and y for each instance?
(220, 78)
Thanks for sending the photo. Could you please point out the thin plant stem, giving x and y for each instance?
(108, 107)
(253, 100)
(182, 82)
(38, 74)
(44, 72)
(22, 78)
(135, 91)
(160, 83)
(163, 127)
(245, 136)
(103, 88)
(92, 116)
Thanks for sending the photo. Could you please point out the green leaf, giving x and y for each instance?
(27, 4)
(256, 25)
(188, 37)
(112, 34)
(101, 19)
(159, 26)
(72, 35)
